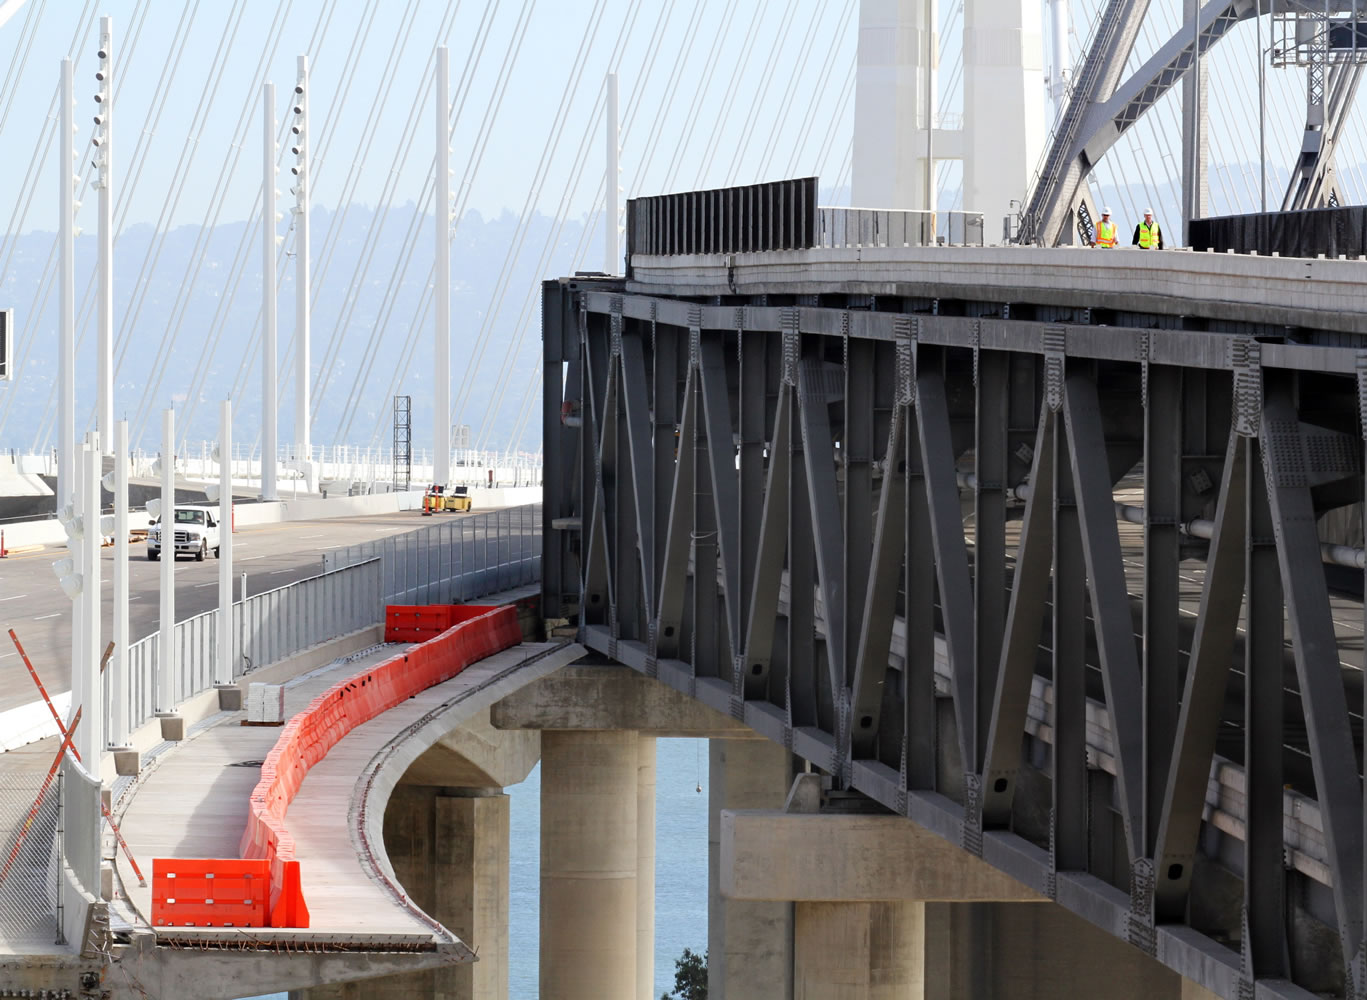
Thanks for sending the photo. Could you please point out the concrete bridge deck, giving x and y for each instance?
(1296, 292)
(192, 799)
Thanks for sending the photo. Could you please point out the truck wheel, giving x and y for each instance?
(153, 556)
(203, 550)
(218, 554)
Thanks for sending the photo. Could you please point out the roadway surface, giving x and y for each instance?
(271, 555)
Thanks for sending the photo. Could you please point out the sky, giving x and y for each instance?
(190, 74)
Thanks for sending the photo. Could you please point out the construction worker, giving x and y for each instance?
(1147, 235)
(1105, 231)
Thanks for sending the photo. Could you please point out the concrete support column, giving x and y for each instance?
(645, 868)
(749, 943)
(1003, 105)
(859, 951)
(1011, 951)
(589, 864)
(449, 848)
(889, 105)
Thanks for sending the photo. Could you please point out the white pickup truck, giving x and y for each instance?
(196, 532)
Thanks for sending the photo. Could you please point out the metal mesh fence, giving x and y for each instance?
(29, 864)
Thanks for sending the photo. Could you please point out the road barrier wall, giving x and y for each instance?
(308, 736)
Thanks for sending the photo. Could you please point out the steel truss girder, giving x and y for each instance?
(884, 720)
(1313, 183)
(1096, 119)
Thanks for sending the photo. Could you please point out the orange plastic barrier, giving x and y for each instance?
(306, 738)
(210, 892)
(420, 622)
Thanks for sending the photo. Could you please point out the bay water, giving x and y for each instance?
(680, 867)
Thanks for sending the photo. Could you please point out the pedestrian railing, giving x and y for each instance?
(455, 558)
(266, 627)
(878, 227)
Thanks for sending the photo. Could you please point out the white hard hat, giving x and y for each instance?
(1106, 211)
(1148, 211)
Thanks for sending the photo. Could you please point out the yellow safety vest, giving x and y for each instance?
(1148, 235)
(1105, 234)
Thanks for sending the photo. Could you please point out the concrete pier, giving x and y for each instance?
(749, 942)
(859, 951)
(645, 868)
(449, 848)
(589, 864)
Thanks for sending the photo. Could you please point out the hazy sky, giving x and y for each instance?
(712, 92)
(199, 100)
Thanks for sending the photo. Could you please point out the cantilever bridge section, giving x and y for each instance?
(1057, 553)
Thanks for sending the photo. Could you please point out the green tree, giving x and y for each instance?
(690, 977)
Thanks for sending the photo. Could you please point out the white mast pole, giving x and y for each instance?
(118, 665)
(66, 354)
(303, 446)
(166, 646)
(612, 251)
(441, 379)
(269, 293)
(90, 734)
(105, 238)
(223, 665)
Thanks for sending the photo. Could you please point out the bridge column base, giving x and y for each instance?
(589, 864)
(449, 848)
(749, 942)
(1010, 951)
(645, 868)
(859, 951)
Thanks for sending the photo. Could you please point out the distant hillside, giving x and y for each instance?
(361, 345)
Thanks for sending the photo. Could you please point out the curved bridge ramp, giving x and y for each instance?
(193, 802)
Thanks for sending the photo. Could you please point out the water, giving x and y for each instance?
(680, 870)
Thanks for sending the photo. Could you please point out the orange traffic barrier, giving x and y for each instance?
(420, 622)
(210, 892)
(471, 633)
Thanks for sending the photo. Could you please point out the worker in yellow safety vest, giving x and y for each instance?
(1105, 231)
(1147, 235)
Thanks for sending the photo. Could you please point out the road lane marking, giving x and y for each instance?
(211, 583)
(307, 537)
(55, 614)
(288, 569)
(250, 558)
(16, 597)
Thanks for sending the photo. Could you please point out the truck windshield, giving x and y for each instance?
(189, 517)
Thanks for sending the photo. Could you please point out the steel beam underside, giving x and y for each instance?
(817, 440)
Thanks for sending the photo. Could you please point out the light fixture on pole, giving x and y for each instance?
(66, 296)
(441, 211)
(104, 101)
(269, 294)
(303, 446)
(611, 230)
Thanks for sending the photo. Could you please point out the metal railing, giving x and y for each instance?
(454, 559)
(266, 627)
(878, 227)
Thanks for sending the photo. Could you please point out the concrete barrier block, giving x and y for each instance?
(266, 703)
